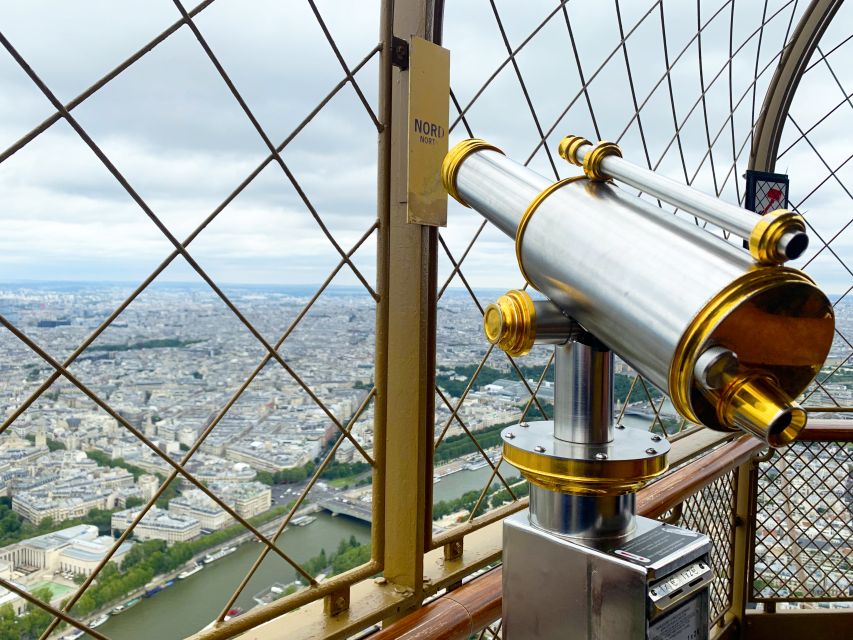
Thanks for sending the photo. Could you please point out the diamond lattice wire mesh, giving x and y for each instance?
(687, 100)
(491, 631)
(821, 191)
(198, 385)
(712, 511)
(804, 516)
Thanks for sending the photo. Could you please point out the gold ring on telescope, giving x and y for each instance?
(592, 160)
(528, 213)
(510, 323)
(768, 231)
(568, 149)
(574, 468)
(454, 158)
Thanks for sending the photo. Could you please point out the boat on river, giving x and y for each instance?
(274, 592)
(97, 622)
(190, 572)
(213, 557)
(127, 605)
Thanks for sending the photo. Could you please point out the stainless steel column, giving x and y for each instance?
(583, 414)
(588, 517)
(583, 393)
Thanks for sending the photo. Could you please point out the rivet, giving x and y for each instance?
(651, 451)
(539, 448)
(510, 435)
(523, 424)
(600, 456)
(656, 438)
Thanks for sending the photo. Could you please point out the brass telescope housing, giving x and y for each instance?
(657, 290)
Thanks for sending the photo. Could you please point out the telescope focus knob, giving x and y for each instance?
(510, 323)
(515, 322)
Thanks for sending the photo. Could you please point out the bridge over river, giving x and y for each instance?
(336, 506)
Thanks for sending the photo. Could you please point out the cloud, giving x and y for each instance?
(172, 127)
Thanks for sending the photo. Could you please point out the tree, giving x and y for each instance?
(8, 623)
(36, 619)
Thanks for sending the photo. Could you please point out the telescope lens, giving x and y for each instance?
(493, 323)
(793, 245)
(785, 429)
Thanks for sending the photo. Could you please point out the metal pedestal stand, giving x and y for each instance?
(580, 564)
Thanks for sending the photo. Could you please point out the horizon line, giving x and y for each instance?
(357, 286)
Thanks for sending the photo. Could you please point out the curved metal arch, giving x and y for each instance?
(786, 79)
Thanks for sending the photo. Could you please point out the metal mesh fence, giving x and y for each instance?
(491, 631)
(292, 386)
(820, 191)
(804, 515)
(712, 511)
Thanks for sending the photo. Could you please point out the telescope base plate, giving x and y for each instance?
(620, 466)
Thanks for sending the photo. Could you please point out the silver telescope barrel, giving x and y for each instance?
(657, 290)
(787, 240)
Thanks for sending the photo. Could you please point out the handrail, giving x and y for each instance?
(827, 430)
(673, 489)
(454, 616)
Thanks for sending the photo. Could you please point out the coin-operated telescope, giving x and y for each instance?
(731, 336)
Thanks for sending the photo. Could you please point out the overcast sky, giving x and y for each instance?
(171, 126)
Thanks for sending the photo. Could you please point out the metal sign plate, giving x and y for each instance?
(766, 192)
(429, 99)
(688, 622)
(656, 545)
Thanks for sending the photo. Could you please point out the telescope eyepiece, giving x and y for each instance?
(777, 237)
(714, 367)
(755, 403)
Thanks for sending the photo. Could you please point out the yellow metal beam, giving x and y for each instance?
(745, 500)
(409, 271)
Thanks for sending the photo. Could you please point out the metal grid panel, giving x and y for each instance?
(491, 631)
(803, 524)
(62, 373)
(502, 88)
(712, 511)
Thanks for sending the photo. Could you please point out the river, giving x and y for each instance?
(192, 603)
